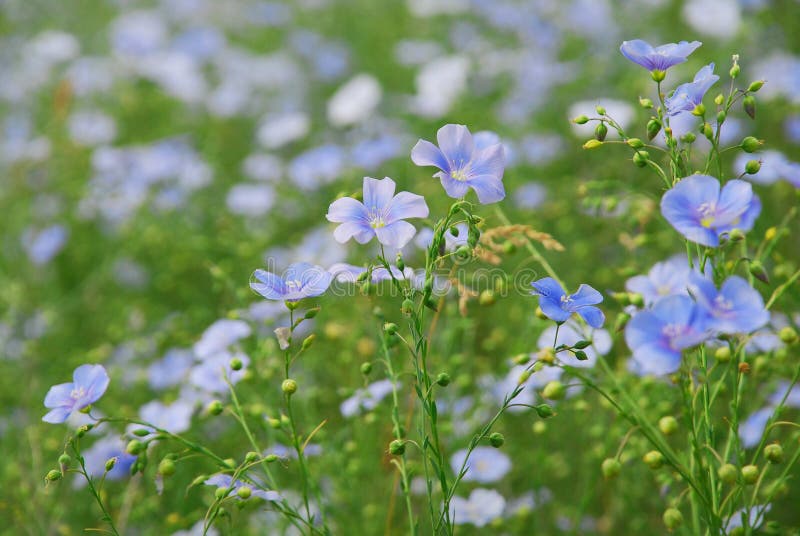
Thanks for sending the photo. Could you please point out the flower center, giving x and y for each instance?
(721, 305)
(459, 175)
(78, 392)
(566, 300)
(707, 214)
(376, 218)
(294, 284)
(672, 332)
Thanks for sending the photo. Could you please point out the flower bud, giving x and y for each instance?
(600, 132)
(407, 307)
(749, 104)
(166, 467)
(750, 474)
(636, 143)
(735, 70)
(443, 379)
(708, 132)
(236, 364)
(736, 235)
(110, 463)
(397, 447)
(308, 341)
(755, 86)
(721, 116)
(581, 120)
(610, 468)
(621, 321)
(653, 128)
(592, 144)
(289, 386)
(744, 368)
(636, 299)
(399, 262)
(668, 425)
(653, 459)
(311, 313)
(699, 110)
(366, 368)
(645, 103)
(770, 234)
(214, 407)
(220, 493)
(600, 110)
(774, 453)
(496, 439)
(752, 167)
(270, 458)
(141, 432)
(463, 252)
(728, 473)
(390, 328)
(544, 411)
(580, 355)
(53, 475)
(135, 447)
(64, 459)
(689, 137)
(723, 354)
(640, 158)
(554, 390)
(672, 518)
(486, 298)
(758, 271)
(751, 144)
(580, 345)
(788, 335)
(244, 492)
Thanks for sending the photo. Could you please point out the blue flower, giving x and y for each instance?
(463, 164)
(659, 58)
(483, 506)
(664, 279)
(657, 336)
(88, 385)
(687, 96)
(301, 280)
(485, 464)
(735, 308)
(701, 212)
(558, 306)
(380, 215)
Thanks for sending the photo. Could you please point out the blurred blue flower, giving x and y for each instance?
(227, 482)
(463, 165)
(558, 306)
(301, 280)
(657, 336)
(170, 370)
(701, 212)
(366, 399)
(485, 464)
(96, 456)
(665, 278)
(659, 58)
(380, 215)
(483, 506)
(88, 385)
(736, 308)
(687, 96)
(752, 428)
(219, 336)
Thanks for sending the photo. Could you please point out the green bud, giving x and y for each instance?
(270, 458)
(220, 493)
(653, 128)
(236, 364)
(689, 137)
(407, 307)
(640, 158)
(600, 132)
(708, 132)
(390, 328)
(699, 110)
(735, 70)
(752, 167)
(544, 411)
(64, 459)
(600, 110)
(719, 99)
(658, 75)
(672, 518)
(554, 390)
(581, 120)
(721, 116)
(214, 407)
(580, 355)
(311, 313)
(758, 271)
(750, 144)
(580, 345)
(645, 103)
(668, 425)
(621, 321)
(366, 368)
(592, 144)
(251, 457)
(110, 463)
(610, 468)
(399, 262)
(487, 297)
(308, 341)
(135, 447)
(496, 440)
(774, 453)
(141, 432)
(788, 335)
(749, 104)
(230, 463)
(728, 473)
(723, 354)
(636, 143)
(397, 447)
(755, 86)
(636, 299)
(53, 475)
(82, 430)
(750, 474)
(166, 467)
(289, 386)
(653, 459)
(244, 492)
(274, 423)
(443, 379)
(736, 235)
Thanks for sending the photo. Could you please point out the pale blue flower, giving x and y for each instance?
(89, 382)
(735, 308)
(485, 464)
(658, 58)
(687, 96)
(301, 280)
(483, 506)
(381, 215)
(558, 306)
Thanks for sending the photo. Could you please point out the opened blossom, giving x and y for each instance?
(687, 97)
(658, 58)
(735, 308)
(464, 164)
(381, 215)
(89, 382)
(301, 280)
(557, 305)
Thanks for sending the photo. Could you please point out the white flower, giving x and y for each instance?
(354, 101)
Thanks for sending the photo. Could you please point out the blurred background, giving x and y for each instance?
(154, 153)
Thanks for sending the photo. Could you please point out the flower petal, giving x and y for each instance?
(489, 161)
(657, 360)
(455, 189)
(406, 205)
(488, 188)
(734, 200)
(57, 415)
(347, 209)
(585, 295)
(362, 232)
(378, 193)
(593, 316)
(396, 235)
(456, 144)
(59, 395)
(268, 285)
(425, 153)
